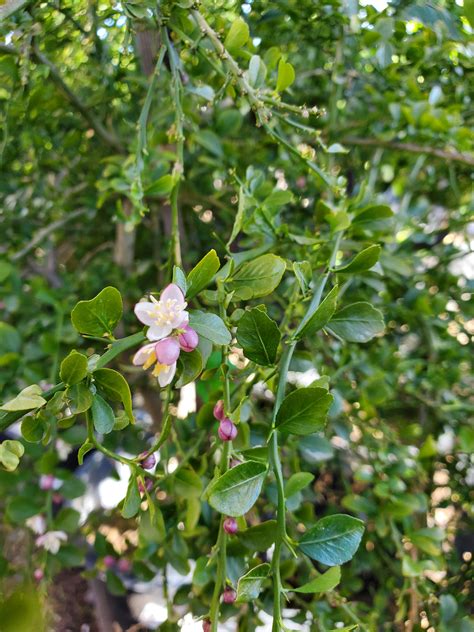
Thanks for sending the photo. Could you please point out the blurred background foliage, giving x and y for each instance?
(382, 102)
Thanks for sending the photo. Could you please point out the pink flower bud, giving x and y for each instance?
(189, 339)
(46, 482)
(227, 431)
(229, 595)
(230, 526)
(148, 462)
(206, 625)
(148, 486)
(109, 561)
(167, 351)
(124, 565)
(38, 574)
(219, 413)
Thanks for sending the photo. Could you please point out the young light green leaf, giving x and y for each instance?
(83, 450)
(322, 315)
(131, 503)
(373, 217)
(303, 274)
(358, 322)
(202, 273)
(286, 75)
(333, 540)
(162, 187)
(79, 398)
(323, 583)
(190, 366)
(210, 326)
(250, 585)
(73, 368)
(257, 278)
(236, 491)
(363, 261)
(297, 482)
(258, 336)
(114, 386)
(27, 399)
(257, 71)
(237, 36)
(10, 454)
(304, 411)
(100, 315)
(102, 415)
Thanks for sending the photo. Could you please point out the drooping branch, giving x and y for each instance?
(413, 148)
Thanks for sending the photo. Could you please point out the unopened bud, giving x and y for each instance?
(229, 595)
(189, 339)
(227, 431)
(167, 351)
(148, 462)
(38, 574)
(124, 565)
(46, 482)
(109, 561)
(147, 487)
(230, 526)
(206, 625)
(219, 410)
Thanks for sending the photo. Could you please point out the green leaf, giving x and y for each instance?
(202, 273)
(132, 501)
(250, 585)
(358, 322)
(257, 71)
(277, 199)
(373, 217)
(27, 399)
(73, 368)
(80, 398)
(236, 491)
(363, 261)
(303, 274)
(190, 365)
(260, 537)
(324, 583)
(187, 484)
(286, 75)
(322, 315)
(10, 454)
(100, 315)
(237, 36)
(163, 186)
(297, 482)
(257, 278)
(179, 279)
(83, 450)
(102, 415)
(210, 326)
(32, 429)
(259, 336)
(114, 584)
(21, 508)
(333, 540)
(67, 520)
(115, 387)
(304, 411)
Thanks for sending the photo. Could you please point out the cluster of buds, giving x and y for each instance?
(168, 329)
(227, 430)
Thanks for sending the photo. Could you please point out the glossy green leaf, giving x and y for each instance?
(322, 315)
(236, 491)
(10, 454)
(115, 387)
(83, 450)
(259, 537)
(362, 262)
(73, 368)
(373, 217)
(323, 583)
(286, 75)
(237, 36)
(358, 322)
(179, 279)
(190, 367)
(27, 399)
(304, 411)
(79, 398)
(257, 278)
(257, 71)
(259, 336)
(32, 428)
(333, 540)
(210, 326)
(303, 274)
(100, 315)
(132, 501)
(102, 415)
(162, 187)
(250, 585)
(297, 482)
(202, 273)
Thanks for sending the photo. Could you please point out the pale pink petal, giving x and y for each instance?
(143, 354)
(142, 312)
(172, 292)
(157, 332)
(166, 375)
(183, 320)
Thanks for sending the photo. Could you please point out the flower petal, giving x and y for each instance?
(166, 375)
(172, 292)
(143, 354)
(157, 332)
(144, 312)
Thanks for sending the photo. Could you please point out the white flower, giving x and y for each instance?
(164, 315)
(37, 524)
(146, 357)
(63, 449)
(51, 541)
